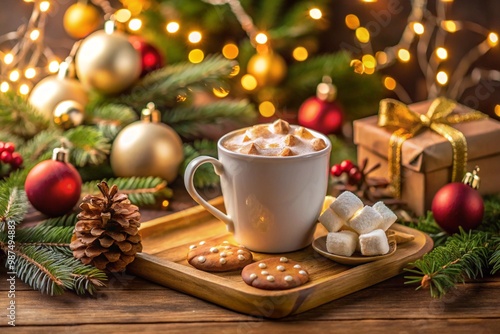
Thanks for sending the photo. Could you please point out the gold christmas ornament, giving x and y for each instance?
(107, 62)
(81, 19)
(268, 68)
(68, 114)
(147, 148)
(54, 89)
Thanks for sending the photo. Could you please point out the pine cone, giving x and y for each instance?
(107, 232)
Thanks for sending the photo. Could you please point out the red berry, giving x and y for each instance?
(346, 166)
(10, 147)
(17, 160)
(6, 157)
(336, 170)
(2, 144)
(354, 176)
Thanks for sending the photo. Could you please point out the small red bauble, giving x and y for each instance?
(151, 58)
(321, 115)
(54, 186)
(457, 204)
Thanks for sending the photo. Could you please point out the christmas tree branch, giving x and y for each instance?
(189, 122)
(88, 146)
(62, 221)
(13, 205)
(167, 84)
(19, 117)
(141, 191)
(463, 255)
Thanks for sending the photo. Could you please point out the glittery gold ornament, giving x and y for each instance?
(268, 68)
(147, 148)
(107, 62)
(54, 89)
(68, 114)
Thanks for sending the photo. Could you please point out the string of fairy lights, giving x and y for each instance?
(429, 31)
(25, 59)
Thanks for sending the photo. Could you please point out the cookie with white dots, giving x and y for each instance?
(276, 273)
(218, 257)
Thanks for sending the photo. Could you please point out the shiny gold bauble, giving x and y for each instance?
(107, 62)
(147, 149)
(80, 20)
(69, 114)
(52, 90)
(268, 68)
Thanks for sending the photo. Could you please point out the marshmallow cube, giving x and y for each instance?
(388, 217)
(374, 243)
(341, 243)
(330, 220)
(365, 220)
(346, 205)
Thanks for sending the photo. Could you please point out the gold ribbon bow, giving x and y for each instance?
(438, 118)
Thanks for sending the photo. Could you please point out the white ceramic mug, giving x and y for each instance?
(272, 202)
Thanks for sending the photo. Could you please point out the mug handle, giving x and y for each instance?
(188, 182)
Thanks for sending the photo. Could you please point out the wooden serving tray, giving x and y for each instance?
(166, 242)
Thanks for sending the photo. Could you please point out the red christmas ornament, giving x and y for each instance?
(321, 112)
(53, 186)
(459, 204)
(151, 59)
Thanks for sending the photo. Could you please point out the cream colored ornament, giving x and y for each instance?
(69, 114)
(107, 62)
(54, 89)
(147, 148)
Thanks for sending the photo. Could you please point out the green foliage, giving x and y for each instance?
(166, 85)
(89, 146)
(428, 225)
(62, 221)
(13, 205)
(141, 191)
(463, 255)
(190, 121)
(205, 175)
(19, 117)
(111, 118)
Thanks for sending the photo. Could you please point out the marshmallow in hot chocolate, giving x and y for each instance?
(276, 139)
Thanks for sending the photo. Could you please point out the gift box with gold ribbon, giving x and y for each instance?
(423, 146)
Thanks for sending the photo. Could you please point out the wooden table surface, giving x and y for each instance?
(131, 304)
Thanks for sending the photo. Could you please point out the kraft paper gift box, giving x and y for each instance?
(426, 161)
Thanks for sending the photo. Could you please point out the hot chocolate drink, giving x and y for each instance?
(276, 139)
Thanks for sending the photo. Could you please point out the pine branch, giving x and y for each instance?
(491, 220)
(7, 136)
(190, 122)
(19, 117)
(463, 255)
(41, 268)
(141, 191)
(111, 118)
(89, 146)
(40, 147)
(62, 221)
(205, 175)
(495, 256)
(86, 279)
(165, 85)
(13, 205)
(56, 238)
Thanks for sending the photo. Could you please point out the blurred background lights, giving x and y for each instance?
(441, 53)
(352, 21)
(267, 109)
(123, 15)
(220, 92)
(196, 56)
(194, 37)
(135, 24)
(362, 34)
(404, 55)
(315, 13)
(172, 27)
(24, 89)
(248, 82)
(4, 87)
(389, 83)
(44, 6)
(300, 53)
(492, 39)
(230, 51)
(53, 66)
(261, 38)
(442, 78)
(418, 28)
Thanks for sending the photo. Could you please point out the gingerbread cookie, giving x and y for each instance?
(218, 257)
(277, 273)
